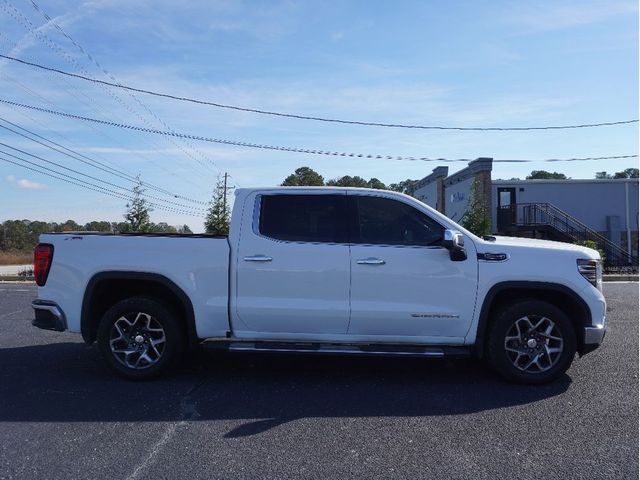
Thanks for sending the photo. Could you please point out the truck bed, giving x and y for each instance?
(197, 264)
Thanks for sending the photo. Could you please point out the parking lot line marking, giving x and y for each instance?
(13, 313)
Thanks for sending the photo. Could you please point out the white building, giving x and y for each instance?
(605, 211)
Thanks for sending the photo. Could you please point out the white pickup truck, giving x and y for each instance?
(325, 270)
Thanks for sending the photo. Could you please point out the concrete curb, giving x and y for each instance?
(16, 278)
(620, 278)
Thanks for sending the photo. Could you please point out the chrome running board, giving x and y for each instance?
(340, 349)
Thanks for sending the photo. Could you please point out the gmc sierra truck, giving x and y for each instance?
(325, 270)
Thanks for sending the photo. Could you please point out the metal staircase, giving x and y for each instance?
(557, 224)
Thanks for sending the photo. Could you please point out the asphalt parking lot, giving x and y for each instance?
(64, 415)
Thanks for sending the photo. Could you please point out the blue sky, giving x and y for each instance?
(458, 63)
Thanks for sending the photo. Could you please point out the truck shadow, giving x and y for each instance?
(67, 382)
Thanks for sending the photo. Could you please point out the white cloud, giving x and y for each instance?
(29, 185)
(534, 16)
(36, 34)
(25, 184)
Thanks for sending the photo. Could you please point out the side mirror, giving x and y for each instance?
(454, 242)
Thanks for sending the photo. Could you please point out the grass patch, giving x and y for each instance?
(16, 257)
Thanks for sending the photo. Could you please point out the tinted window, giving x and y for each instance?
(304, 218)
(389, 222)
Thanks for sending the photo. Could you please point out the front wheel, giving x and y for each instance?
(531, 341)
(139, 338)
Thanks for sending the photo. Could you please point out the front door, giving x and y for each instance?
(293, 266)
(404, 285)
(506, 207)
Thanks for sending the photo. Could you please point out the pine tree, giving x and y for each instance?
(217, 220)
(137, 215)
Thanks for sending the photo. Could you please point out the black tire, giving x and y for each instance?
(509, 356)
(131, 316)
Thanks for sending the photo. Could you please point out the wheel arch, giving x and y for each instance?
(105, 289)
(557, 294)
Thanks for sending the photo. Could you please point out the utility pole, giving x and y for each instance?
(224, 201)
(225, 190)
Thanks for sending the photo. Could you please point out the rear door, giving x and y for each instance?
(293, 266)
(403, 282)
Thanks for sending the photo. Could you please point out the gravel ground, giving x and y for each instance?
(64, 415)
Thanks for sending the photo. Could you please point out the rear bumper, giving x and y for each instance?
(48, 316)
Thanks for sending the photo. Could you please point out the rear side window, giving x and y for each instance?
(304, 218)
(382, 221)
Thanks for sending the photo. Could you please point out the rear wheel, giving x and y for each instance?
(531, 341)
(139, 338)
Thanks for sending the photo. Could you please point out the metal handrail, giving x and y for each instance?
(587, 230)
(551, 207)
(578, 222)
(549, 214)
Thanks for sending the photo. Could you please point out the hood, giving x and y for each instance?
(519, 242)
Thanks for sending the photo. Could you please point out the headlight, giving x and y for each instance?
(592, 271)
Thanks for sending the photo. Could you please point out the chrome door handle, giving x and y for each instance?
(370, 261)
(257, 258)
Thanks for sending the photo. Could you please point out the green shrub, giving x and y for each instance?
(475, 218)
(593, 245)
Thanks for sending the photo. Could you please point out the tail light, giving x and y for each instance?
(42, 257)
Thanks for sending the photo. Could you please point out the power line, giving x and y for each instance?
(123, 195)
(108, 74)
(314, 118)
(575, 159)
(112, 194)
(95, 105)
(82, 174)
(89, 186)
(99, 166)
(297, 149)
(97, 130)
(41, 36)
(70, 88)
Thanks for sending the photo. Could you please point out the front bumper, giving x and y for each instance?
(48, 316)
(593, 337)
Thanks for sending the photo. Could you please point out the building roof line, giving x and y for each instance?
(567, 180)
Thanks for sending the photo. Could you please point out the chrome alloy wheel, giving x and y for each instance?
(137, 340)
(533, 344)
